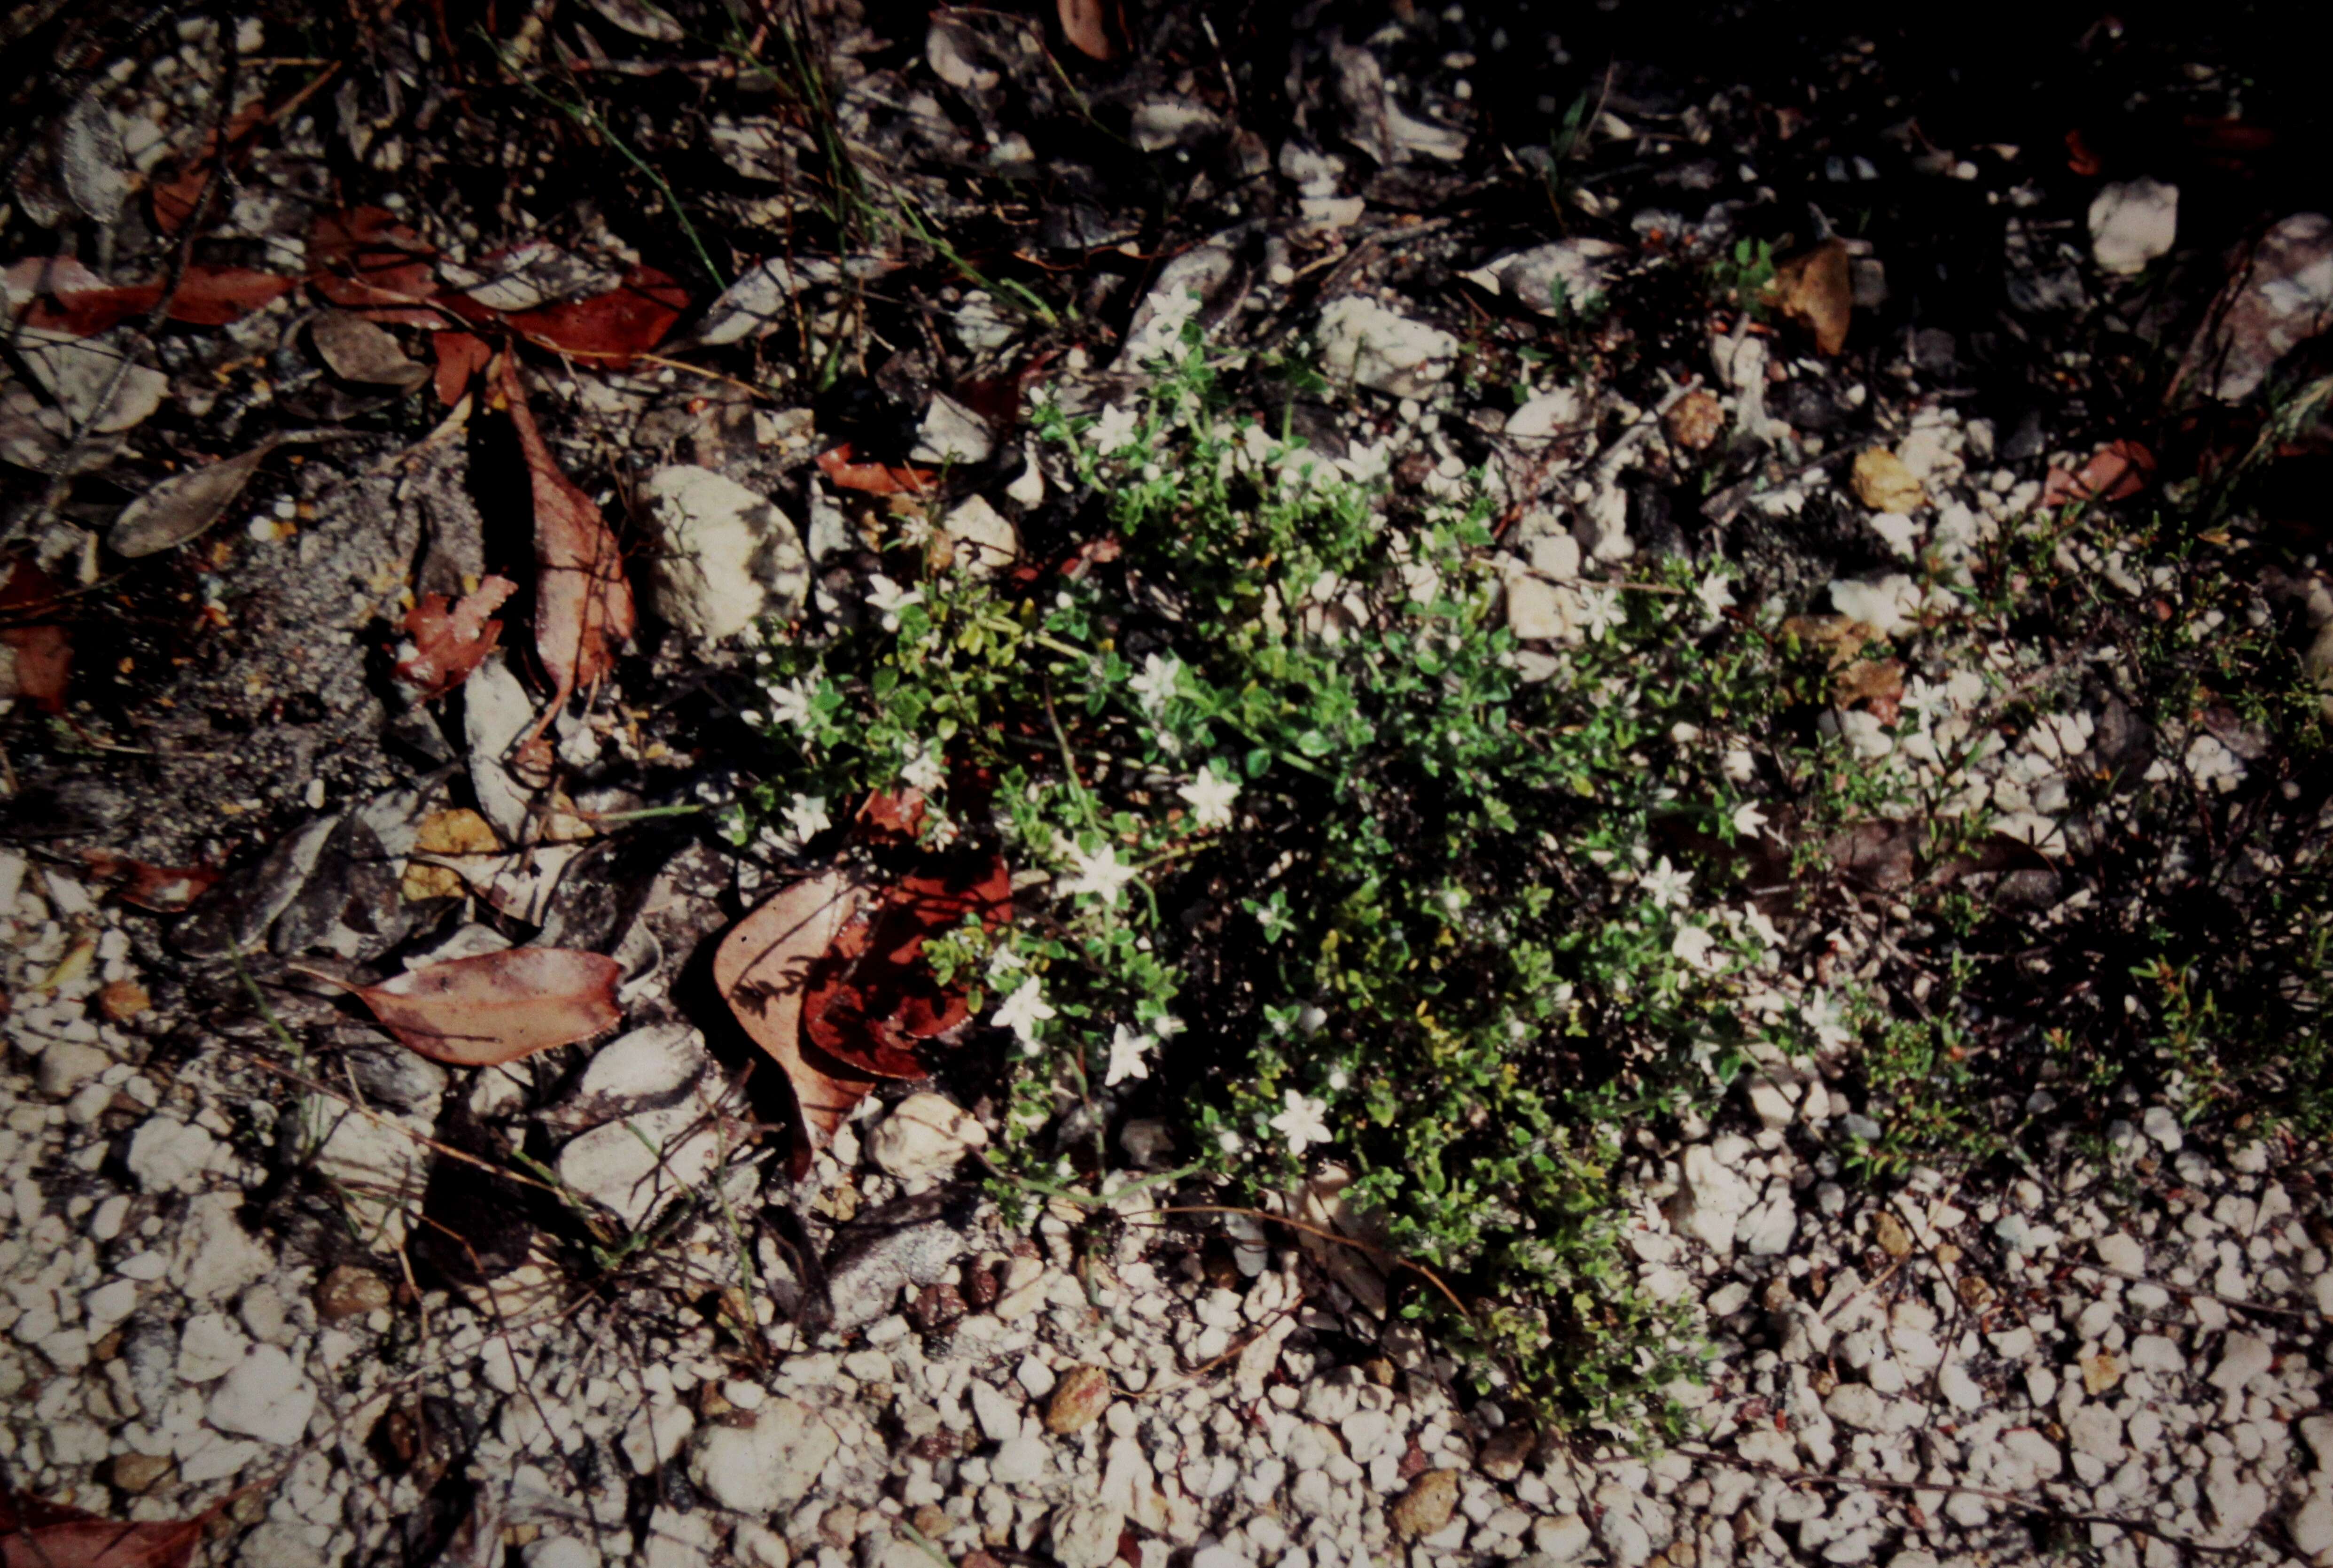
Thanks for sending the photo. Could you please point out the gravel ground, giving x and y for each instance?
(262, 1267)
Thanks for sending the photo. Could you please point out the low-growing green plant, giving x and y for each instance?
(1317, 864)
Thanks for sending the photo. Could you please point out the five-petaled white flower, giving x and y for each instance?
(1004, 962)
(1114, 430)
(1822, 1014)
(1748, 819)
(1129, 1056)
(924, 770)
(1666, 884)
(887, 598)
(1024, 1010)
(1155, 683)
(1928, 702)
(789, 703)
(1715, 593)
(1101, 872)
(1305, 1120)
(807, 818)
(1210, 798)
(1600, 612)
(1166, 1026)
(1693, 946)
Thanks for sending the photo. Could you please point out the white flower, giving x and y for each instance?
(1114, 429)
(789, 703)
(1228, 1141)
(1692, 947)
(1928, 702)
(924, 770)
(1155, 683)
(887, 598)
(1819, 1013)
(1166, 1026)
(1129, 1056)
(1003, 962)
(1303, 1122)
(1748, 819)
(1600, 612)
(1210, 798)
(807, 818)
(1740, 766)
(1715, 593)
(1753, 920)
(1664, 885)
(1100, 872)
(1024, 1010)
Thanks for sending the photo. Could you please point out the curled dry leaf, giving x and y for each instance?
(365, 260)
(872, 1000)
(874, 478)
(205, 297)
(582, 605)
(763, 969)
(495, 1008)
(610, 329)
(165, 889)
(34, 1534)
(448, 642)
(356, 349)
(2114, 472)
(1085, 24)
(1817, 291)
(459, 356)
(35, 649)
(183, 505)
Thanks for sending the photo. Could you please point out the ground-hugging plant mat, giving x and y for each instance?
(592, 351)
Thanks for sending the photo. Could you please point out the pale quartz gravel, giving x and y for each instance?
(2081, 1377)
(2075, 1388)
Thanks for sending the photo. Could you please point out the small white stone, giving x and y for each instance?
(210, 1346)
(771, 1465)
(265, 1397)
(2161, 1126)
(726, 557)
(166, 1153)
(925, 1134)
(2132, 222)
(214, 1256)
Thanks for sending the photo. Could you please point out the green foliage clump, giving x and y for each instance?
(1326, 867)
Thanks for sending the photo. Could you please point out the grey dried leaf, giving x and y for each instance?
(183, 505)
(90, 160)
(640, 19)
(356, 349)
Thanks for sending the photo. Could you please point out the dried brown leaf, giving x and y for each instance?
(1085, 24)
(450, 641)
(495, 1008)
(355, 350)
(763, 968)
(183, 505)
(1817, 291)
(36, 650)
(582, 605)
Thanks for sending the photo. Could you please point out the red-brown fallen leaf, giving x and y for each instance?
(35, 648)
(450, 642)
(582, 605)
(1085, 24)
(365, 260)
(761, 969)
(459, 356)
(164, 889)
(2114, 472)
(1818, 292)
(34, 1534)
(205, 297)
(608, 329)
(872, 1000)
(174, 198)
(874, 478)
(2079, 158)
(495, 1008)
(893, 818)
